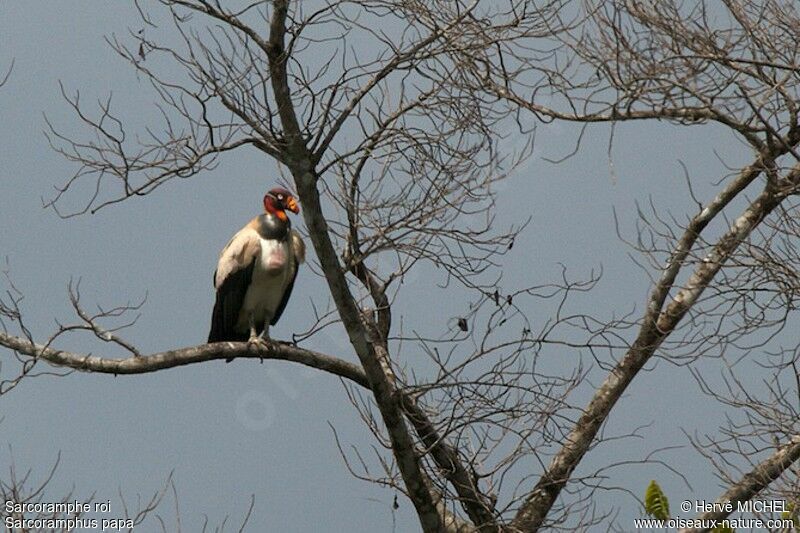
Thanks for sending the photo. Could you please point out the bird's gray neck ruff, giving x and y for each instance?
(271, 227)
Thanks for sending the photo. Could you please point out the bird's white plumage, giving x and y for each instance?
(272, 273)
(235, 253)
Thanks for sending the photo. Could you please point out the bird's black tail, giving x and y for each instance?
(219, 332)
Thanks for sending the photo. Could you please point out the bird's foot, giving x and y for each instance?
(253, 342)
(266, 342)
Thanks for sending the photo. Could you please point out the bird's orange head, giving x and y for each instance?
(278, 200)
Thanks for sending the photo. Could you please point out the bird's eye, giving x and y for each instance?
(280, 197)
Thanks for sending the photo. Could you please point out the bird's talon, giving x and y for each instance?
(266, 343)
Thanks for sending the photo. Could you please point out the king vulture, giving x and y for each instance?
(256, 272)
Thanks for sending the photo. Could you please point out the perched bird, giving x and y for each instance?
(256, 272)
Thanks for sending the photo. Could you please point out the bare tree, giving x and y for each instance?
(387, 116)
(716, 291)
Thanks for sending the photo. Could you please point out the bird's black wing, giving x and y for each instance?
(286, 294)
(230, 297)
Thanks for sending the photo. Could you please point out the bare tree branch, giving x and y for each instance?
(140, 364)
(754, 481)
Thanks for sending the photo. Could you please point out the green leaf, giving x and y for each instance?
(791, 514)
(656, 503)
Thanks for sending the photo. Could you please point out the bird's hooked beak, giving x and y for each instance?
(291, 204)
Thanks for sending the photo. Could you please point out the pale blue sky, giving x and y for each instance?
(229, 431)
